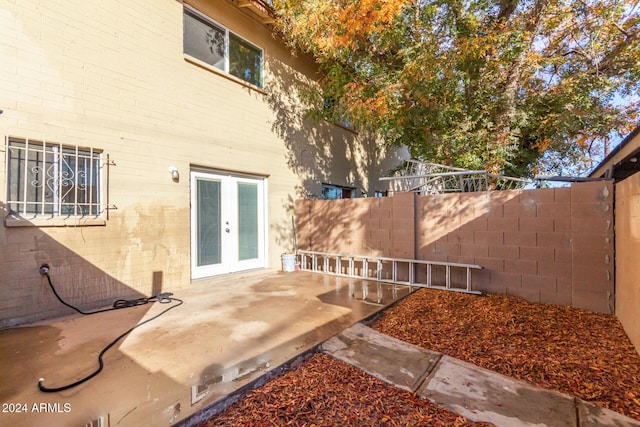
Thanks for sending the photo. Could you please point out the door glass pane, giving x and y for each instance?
(247, 221)
(209, 222)
(204, 40)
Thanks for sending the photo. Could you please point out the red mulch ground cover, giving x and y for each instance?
(323, 391)
(573, 351)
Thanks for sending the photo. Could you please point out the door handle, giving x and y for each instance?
(227, 230)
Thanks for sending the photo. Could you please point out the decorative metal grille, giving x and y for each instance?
(51, 179)
(432, 178)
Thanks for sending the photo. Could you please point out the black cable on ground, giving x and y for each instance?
(162, 298)
(121, 303)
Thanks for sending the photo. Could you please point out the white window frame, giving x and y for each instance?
(227, 42)
(50, 186)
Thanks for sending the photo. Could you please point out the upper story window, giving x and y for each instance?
(218, 47)
(330, 107)
(46, 179)
(330, 192)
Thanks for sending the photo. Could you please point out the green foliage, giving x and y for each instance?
(490, 84)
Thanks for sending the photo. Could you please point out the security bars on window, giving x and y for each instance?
(51, 179)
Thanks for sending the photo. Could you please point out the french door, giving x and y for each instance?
(227, 223)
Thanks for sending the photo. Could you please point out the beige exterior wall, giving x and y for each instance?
(628, 256)
(550, 245)
(112, 75)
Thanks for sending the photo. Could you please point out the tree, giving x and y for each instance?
(498, 84)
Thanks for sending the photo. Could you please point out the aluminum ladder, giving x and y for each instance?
(397, 271)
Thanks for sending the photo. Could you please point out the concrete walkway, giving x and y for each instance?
(471, 391)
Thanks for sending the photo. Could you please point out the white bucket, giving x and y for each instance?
(289, 262)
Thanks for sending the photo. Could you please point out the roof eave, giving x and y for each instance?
(262, 9)
(623, 155)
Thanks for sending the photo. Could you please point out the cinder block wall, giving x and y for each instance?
(369, 226)
(549, 245)
(628, 256)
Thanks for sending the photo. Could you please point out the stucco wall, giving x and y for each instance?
(112, 75)
(550, 245)
(628, 256)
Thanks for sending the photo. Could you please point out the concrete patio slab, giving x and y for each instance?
(226, 334)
